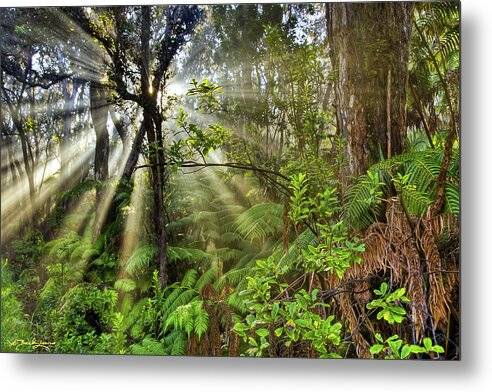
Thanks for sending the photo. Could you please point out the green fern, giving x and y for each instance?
(190, 318)
(141, 259)
(363, 200)
(189, 279)
(175, 343)
(178, 297)
(206, 278)
(452, 195)
(227, 255)
(419, 169)
(232, 278)
(261, 221)
(148, 346)
(125, 285)
(415, 201)
(177, 254)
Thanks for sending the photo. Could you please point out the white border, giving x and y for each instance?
(124, 374)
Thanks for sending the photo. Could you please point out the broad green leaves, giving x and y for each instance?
(334, 251)
(287, 322)
(389, 304)
(395, 348)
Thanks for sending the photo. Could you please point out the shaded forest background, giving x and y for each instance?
(273, 180)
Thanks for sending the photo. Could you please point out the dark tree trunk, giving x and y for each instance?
(26, 156)
(99, 113)
(158, 169)
(369, 50)
(14, 164)
(152, 122)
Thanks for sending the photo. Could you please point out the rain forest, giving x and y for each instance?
(243, 180)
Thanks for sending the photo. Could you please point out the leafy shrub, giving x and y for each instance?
(87, 321)
(15, 328)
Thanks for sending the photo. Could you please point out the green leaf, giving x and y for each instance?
(417, 349)
(240, 327)
(405, 351)
(427, 343)
(262, 332)
(376, 349)
(252, 342)
(438, 349)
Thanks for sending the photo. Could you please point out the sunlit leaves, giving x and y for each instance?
(389, 304)
(395, 348)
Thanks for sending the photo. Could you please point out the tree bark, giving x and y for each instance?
(152, 122)
(99, 113)
(369, 50)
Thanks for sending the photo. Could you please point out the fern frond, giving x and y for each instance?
(415, 201)
(175, 343)
(125, 285)
(206, 278)
(452, 195)
(201, 320)
(227, 255)
(236, 302)
(363, 200)
(261, 221)
(231, 278)
(141, 259)
(190, 318)
(177, 254)
(176, 299)
(189, 279)
(148, 346)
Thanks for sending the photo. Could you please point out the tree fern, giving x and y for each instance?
(201, 319)
(452, 195)
(190, 318)
(189, 279)
(363, 200)
(294, 253)
(177, 254)
(148, 346)
(420, 170)
(206, 278)
(125, 285)
(260, 221)
(141, 259)
(232, 278)
(237, 303)
(415, 201)
(175, 343)
(177, 298)
(226, 255)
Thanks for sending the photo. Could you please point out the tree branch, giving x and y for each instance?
(232, 165)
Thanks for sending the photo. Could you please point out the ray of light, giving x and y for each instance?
(133, 220)
(16, 217)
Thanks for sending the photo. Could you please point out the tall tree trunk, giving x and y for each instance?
(369, 50)
(99, 113)
(26, 155)
(152, 122)
(158, 169)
